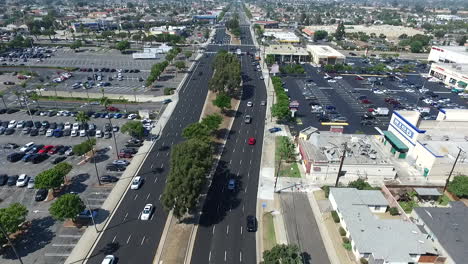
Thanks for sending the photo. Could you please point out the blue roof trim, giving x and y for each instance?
(442, 110)
(430, 151)
(411, 125)
(407, 139)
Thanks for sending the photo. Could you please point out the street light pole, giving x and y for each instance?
(453, 167)
(341, 164)
(11, 244)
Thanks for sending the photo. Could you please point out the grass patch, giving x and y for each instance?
(287, 169)
(82, 99)
(269, 236)
(408, 206)
(443, 200)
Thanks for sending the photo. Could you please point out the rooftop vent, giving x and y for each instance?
(445, 138)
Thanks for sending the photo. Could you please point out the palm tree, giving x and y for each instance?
(35, 97)
(125, 102)
(134, 93)
(104, 101)
(17, 93)
(102, 91)
(2, 94)
(83, 118)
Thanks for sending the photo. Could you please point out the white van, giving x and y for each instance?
(27, 146)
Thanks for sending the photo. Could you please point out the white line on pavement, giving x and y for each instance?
(155, 179)
(227, 230)
(241, 230)
(240, 256)
(128, 239)
(225, 255)
(64, 245)
(209, 257)
(214, 227)
(160, 197)
(125, 216)
(114, 239)
(148, 196)
(136, 195)
(143, 240)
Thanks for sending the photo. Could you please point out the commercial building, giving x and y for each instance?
(448, 54)
(282, 36)
(95, 24)
(429, 146)
(391, 32)
(321, 153)
(325, 55)
(455, 76)
(172, 30)
(447, 228)
(374, 235)
(287, 53)
(152, 53)
(266, 24)
(210, 18)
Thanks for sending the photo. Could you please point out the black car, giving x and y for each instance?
(66, 132)
(107, 127)
(9, 131)
(251, 223)
(28, 123)
(38, 158)
(10, 146)
(12, 180)
(34, 132)
(108, 178)
(61, 126)
(12, 110)
(129, 150)
(62, 150)
(15, 156)
(115, 167)
(37, 124)
(2, 111)
(3, 179)
(58, 160)
(41, 194)
(45, 124)
(53, 125)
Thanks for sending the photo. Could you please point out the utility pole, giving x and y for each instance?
(11, 244)
(453, 167)
(341, 164)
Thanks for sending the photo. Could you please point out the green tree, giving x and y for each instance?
(12, 217)
(196, 131)
(212, 122)
(190, 163)
(340, 31)
(281, 254)
(84, 147)
(416, 46)
(286, 149)
(67, 206)
(105, 102)
(76, 45)
(320, 34)
(134, 129)
(360, 184)
(206, 33)
(462, 40)
(180, 65)
(53, 177)
(222, 101)
(188, 54)
(459, 186)
(439, 33)
(123, 45)
(270, 59)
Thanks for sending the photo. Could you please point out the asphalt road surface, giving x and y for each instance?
(222, 235)
(132, 240)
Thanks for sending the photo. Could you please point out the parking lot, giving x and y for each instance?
(49, 241)
(351, 98)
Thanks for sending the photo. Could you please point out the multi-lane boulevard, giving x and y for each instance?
(222, 236)
(127, 237)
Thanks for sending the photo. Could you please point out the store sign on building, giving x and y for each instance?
(403, 128)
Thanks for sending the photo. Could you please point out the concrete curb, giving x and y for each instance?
(157, 257)
(332, 256)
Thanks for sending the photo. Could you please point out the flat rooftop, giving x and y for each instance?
(461, 68)
(458, 49)
(322, 50)
(286, 50)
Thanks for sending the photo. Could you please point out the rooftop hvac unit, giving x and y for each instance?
(445, 138)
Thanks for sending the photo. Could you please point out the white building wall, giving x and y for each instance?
(373, 173)
(439, 54)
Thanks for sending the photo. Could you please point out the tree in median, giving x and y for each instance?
(459, 186)
(223, 101)
(282, 254)
(212, 122)
(122, 45)
(134, 129)
(190, 163)
(196, 131)
(12, 217)
(67, 206)
(52, 178)
(76, 45)
(188, 54)
(180, 65)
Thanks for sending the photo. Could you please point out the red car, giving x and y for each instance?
(55, 149)
(112, 109)
(45, 149)
(251, 141)
(125, 155)
(359, 78)
(366, 101)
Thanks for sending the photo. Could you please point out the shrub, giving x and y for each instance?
(347, 246)
(326, 189)
(393, 211)
(459, 186)
(342, 231)
(168, 91)
(345, 240)
(84, 147)
(335, 216)
(364, 261)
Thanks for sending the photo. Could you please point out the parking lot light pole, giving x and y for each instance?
(453, 167)
(11, 244)
(92, 217)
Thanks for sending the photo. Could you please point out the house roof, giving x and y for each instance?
(390, 239)
(427, 191)
(449, 226)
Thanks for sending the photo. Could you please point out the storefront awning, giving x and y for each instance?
(462, 83)
(397, 143)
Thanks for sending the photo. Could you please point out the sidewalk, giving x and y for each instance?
(90, 238)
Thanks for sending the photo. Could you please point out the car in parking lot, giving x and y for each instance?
(147, 212)
(22, 180)
(31, 183)
(45, 149)
(115, 167)
(3, 179)
(58, 159)
(15, 156)
(274, 129)
(121, 162)
(11, 181)
(12, 124)
(249, 104)
(108, 178)
(136, 183)
(41, 195)
(27, 147)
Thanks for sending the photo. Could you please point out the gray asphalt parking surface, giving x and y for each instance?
(343, 94)
(48, 241)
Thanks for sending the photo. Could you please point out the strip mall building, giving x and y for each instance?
(450, 65)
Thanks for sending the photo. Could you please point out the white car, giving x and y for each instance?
(409, 90)
(22, 180)
(147, 212)
(74, 133)
(20, 124)
(338, 77)
(136, 183)
(99, 134)
(249, 104)
(121, 162)
(132, 116)
(49, 132)
(76, 126)
(27, 146)
(423, 90)
(331, 81)
(82, 133)
(428, 101)
(109, 259)
(378, 92)
(12, 124)
(31, 183)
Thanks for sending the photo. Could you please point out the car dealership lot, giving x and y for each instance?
(352, 98)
